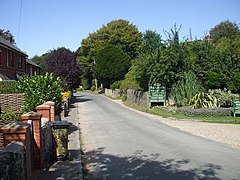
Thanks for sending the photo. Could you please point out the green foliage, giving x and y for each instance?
(151, 41)
(9, 116)
(185, 89)
(42, 61)
(93, 88)
(204, 100)
(9, 87)
(115, 85)
(217, 111)
(111, 65)
(224, 29)
(40, 89)
(224, 97)
(118, 33)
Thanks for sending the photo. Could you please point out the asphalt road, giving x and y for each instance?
(123, 144)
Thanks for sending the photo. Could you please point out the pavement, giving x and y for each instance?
(70, 169)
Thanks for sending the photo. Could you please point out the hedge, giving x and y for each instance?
(9, 87)
(205, 111)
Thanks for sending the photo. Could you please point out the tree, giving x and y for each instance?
(151, 41)
(224, 29)
(62, 62)
(111, 65)
(8, 36)
(118, 33)
(41, 61)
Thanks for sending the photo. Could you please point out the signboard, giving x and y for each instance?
(157, 93)
(236, 107)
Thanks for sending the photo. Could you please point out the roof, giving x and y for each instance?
(10, 45)
(32, 63)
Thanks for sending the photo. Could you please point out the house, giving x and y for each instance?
(14, 63)
(32, 68)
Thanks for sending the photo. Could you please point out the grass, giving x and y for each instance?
(165, 114)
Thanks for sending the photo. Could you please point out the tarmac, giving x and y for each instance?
(71, 168)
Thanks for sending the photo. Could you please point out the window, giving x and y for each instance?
(20, 60)
(10, 60)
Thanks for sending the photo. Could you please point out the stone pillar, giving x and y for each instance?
(19, 131)
(35, 119)
(52, 109)
(44, 109)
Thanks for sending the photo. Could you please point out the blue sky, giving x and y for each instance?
(49, 24)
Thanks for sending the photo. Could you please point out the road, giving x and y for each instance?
(120, 143)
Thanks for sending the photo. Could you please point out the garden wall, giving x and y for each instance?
(138, 97)
(11, 102)
(113, 93)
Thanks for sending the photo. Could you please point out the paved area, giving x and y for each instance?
(123, 144)
(70, 169)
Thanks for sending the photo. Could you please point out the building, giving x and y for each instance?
(14, 63)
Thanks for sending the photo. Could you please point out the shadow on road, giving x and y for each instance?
(139, 166)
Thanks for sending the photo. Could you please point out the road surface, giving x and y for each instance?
(123, 144)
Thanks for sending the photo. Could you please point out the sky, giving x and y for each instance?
(43, 25)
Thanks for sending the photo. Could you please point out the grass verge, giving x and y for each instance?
(165, 114)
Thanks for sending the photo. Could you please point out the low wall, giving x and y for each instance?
(138, 97)
(11, 102)
(12, 164)
(113, 93)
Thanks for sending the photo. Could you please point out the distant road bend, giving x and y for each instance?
(123, 144)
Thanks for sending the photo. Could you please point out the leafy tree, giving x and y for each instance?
(151, 41)
(62, 62)
(118, 33)
(41, 61)
(6, 34)
(224, 29)
(111, 64)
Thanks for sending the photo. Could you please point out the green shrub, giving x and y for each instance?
(9, 87)
(115, 85)
(204, 100)
(93, 88)
(224, 97)
(9, 116)
(205, 111)
(40, 89)
(185, 89)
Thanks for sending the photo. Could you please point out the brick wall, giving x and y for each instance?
(12, 102)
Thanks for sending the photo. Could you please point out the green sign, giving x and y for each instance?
(236, 107)
(157, 93)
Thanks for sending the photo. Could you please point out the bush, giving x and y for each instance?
(9, 116)
(205, 111)
(66, 94)
(224, 97)
(93, 88)
(40, 89)
(185, 89)
(9, 87)
(115, 85)
(204, 100)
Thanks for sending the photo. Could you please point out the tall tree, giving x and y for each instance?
(224, 29)
(118, 33)
(62, 62)
(111, 65)
(151, 41)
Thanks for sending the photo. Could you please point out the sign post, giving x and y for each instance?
(157, 93)
(236, 107)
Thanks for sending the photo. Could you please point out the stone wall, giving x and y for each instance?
(113, 93)
(11, 102)
(12, 165)
(138, 97)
